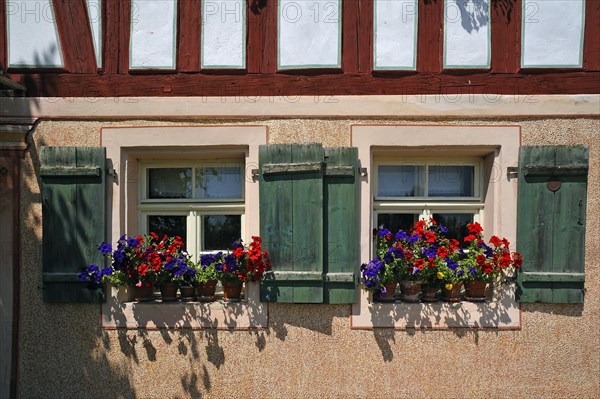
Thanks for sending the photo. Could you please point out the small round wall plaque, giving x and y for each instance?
(553, 184)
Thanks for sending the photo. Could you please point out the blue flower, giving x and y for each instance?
(383, 232)
(473, 271)
(132, 242)
(230, 262)
(401, 235)
(413, 238)
(452, 265)
(431, 252)
(206, 260)
(397, 252)
(459, 273)
(107, 271)
(105, 248)
(443, 229)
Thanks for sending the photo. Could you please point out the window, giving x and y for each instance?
(407, 189)
(200, 201)
(455, 174)
(202, 190)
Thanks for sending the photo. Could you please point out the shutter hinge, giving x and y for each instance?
(362, 172)
(512, 171)
(255, 174)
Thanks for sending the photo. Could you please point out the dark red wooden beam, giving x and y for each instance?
(591, 43)
(429, 41)
(3, 37)
(73, 25)
(124, 34)
(506, 36)
(183, 84)
(365, 36)
(110, 36)
(269, 54)
(350, 33)
(256, 51)
(188, 31)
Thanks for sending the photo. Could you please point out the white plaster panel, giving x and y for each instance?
(223, 34)
(32, 35)
(552, 33)
(153, 25)
(395, 34)
(467, 34)
(94, 8)
(309, 34)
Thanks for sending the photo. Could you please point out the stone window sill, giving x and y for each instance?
(501, 312)
(117, 312)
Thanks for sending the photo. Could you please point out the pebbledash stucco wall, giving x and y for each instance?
(307, 350)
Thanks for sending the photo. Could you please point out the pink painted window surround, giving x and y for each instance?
(498, 148)
(127, 148)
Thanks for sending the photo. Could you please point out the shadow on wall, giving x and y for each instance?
(474, 14)
(59, 348)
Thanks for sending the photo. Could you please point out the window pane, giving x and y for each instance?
(219, 182)
(170, 183)
(399, 181)
(456, 223)
(451, 181)
(397, 221)
(220, 231)
(168, 225)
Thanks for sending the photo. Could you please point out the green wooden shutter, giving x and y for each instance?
(551, 223)
(291, 221)
(309, 223)
(73, 211)
(341, 220)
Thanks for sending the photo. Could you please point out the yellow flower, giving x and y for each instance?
(448, 287)
(440, 275)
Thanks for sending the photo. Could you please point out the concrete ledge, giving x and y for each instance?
(119, 312)
(455, 105)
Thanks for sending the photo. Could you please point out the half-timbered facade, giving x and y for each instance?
(309, 122)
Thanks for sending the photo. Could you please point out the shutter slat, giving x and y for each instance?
(57, 171)
(559, 277)
(299, 167)
(341, 225)
(551, 225)
(73, 209)
(307, 231)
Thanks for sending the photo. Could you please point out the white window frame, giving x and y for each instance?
(498, 148)
(425, 206)
(193, 208)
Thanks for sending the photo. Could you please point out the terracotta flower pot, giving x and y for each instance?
(475, 291)
(410, 290)
(188, 292)
(388, 295)
(206, 291)
(125, 294)
(232, 291)
(429, 293)
(144, 293)
(453, 294)
(168, 291)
